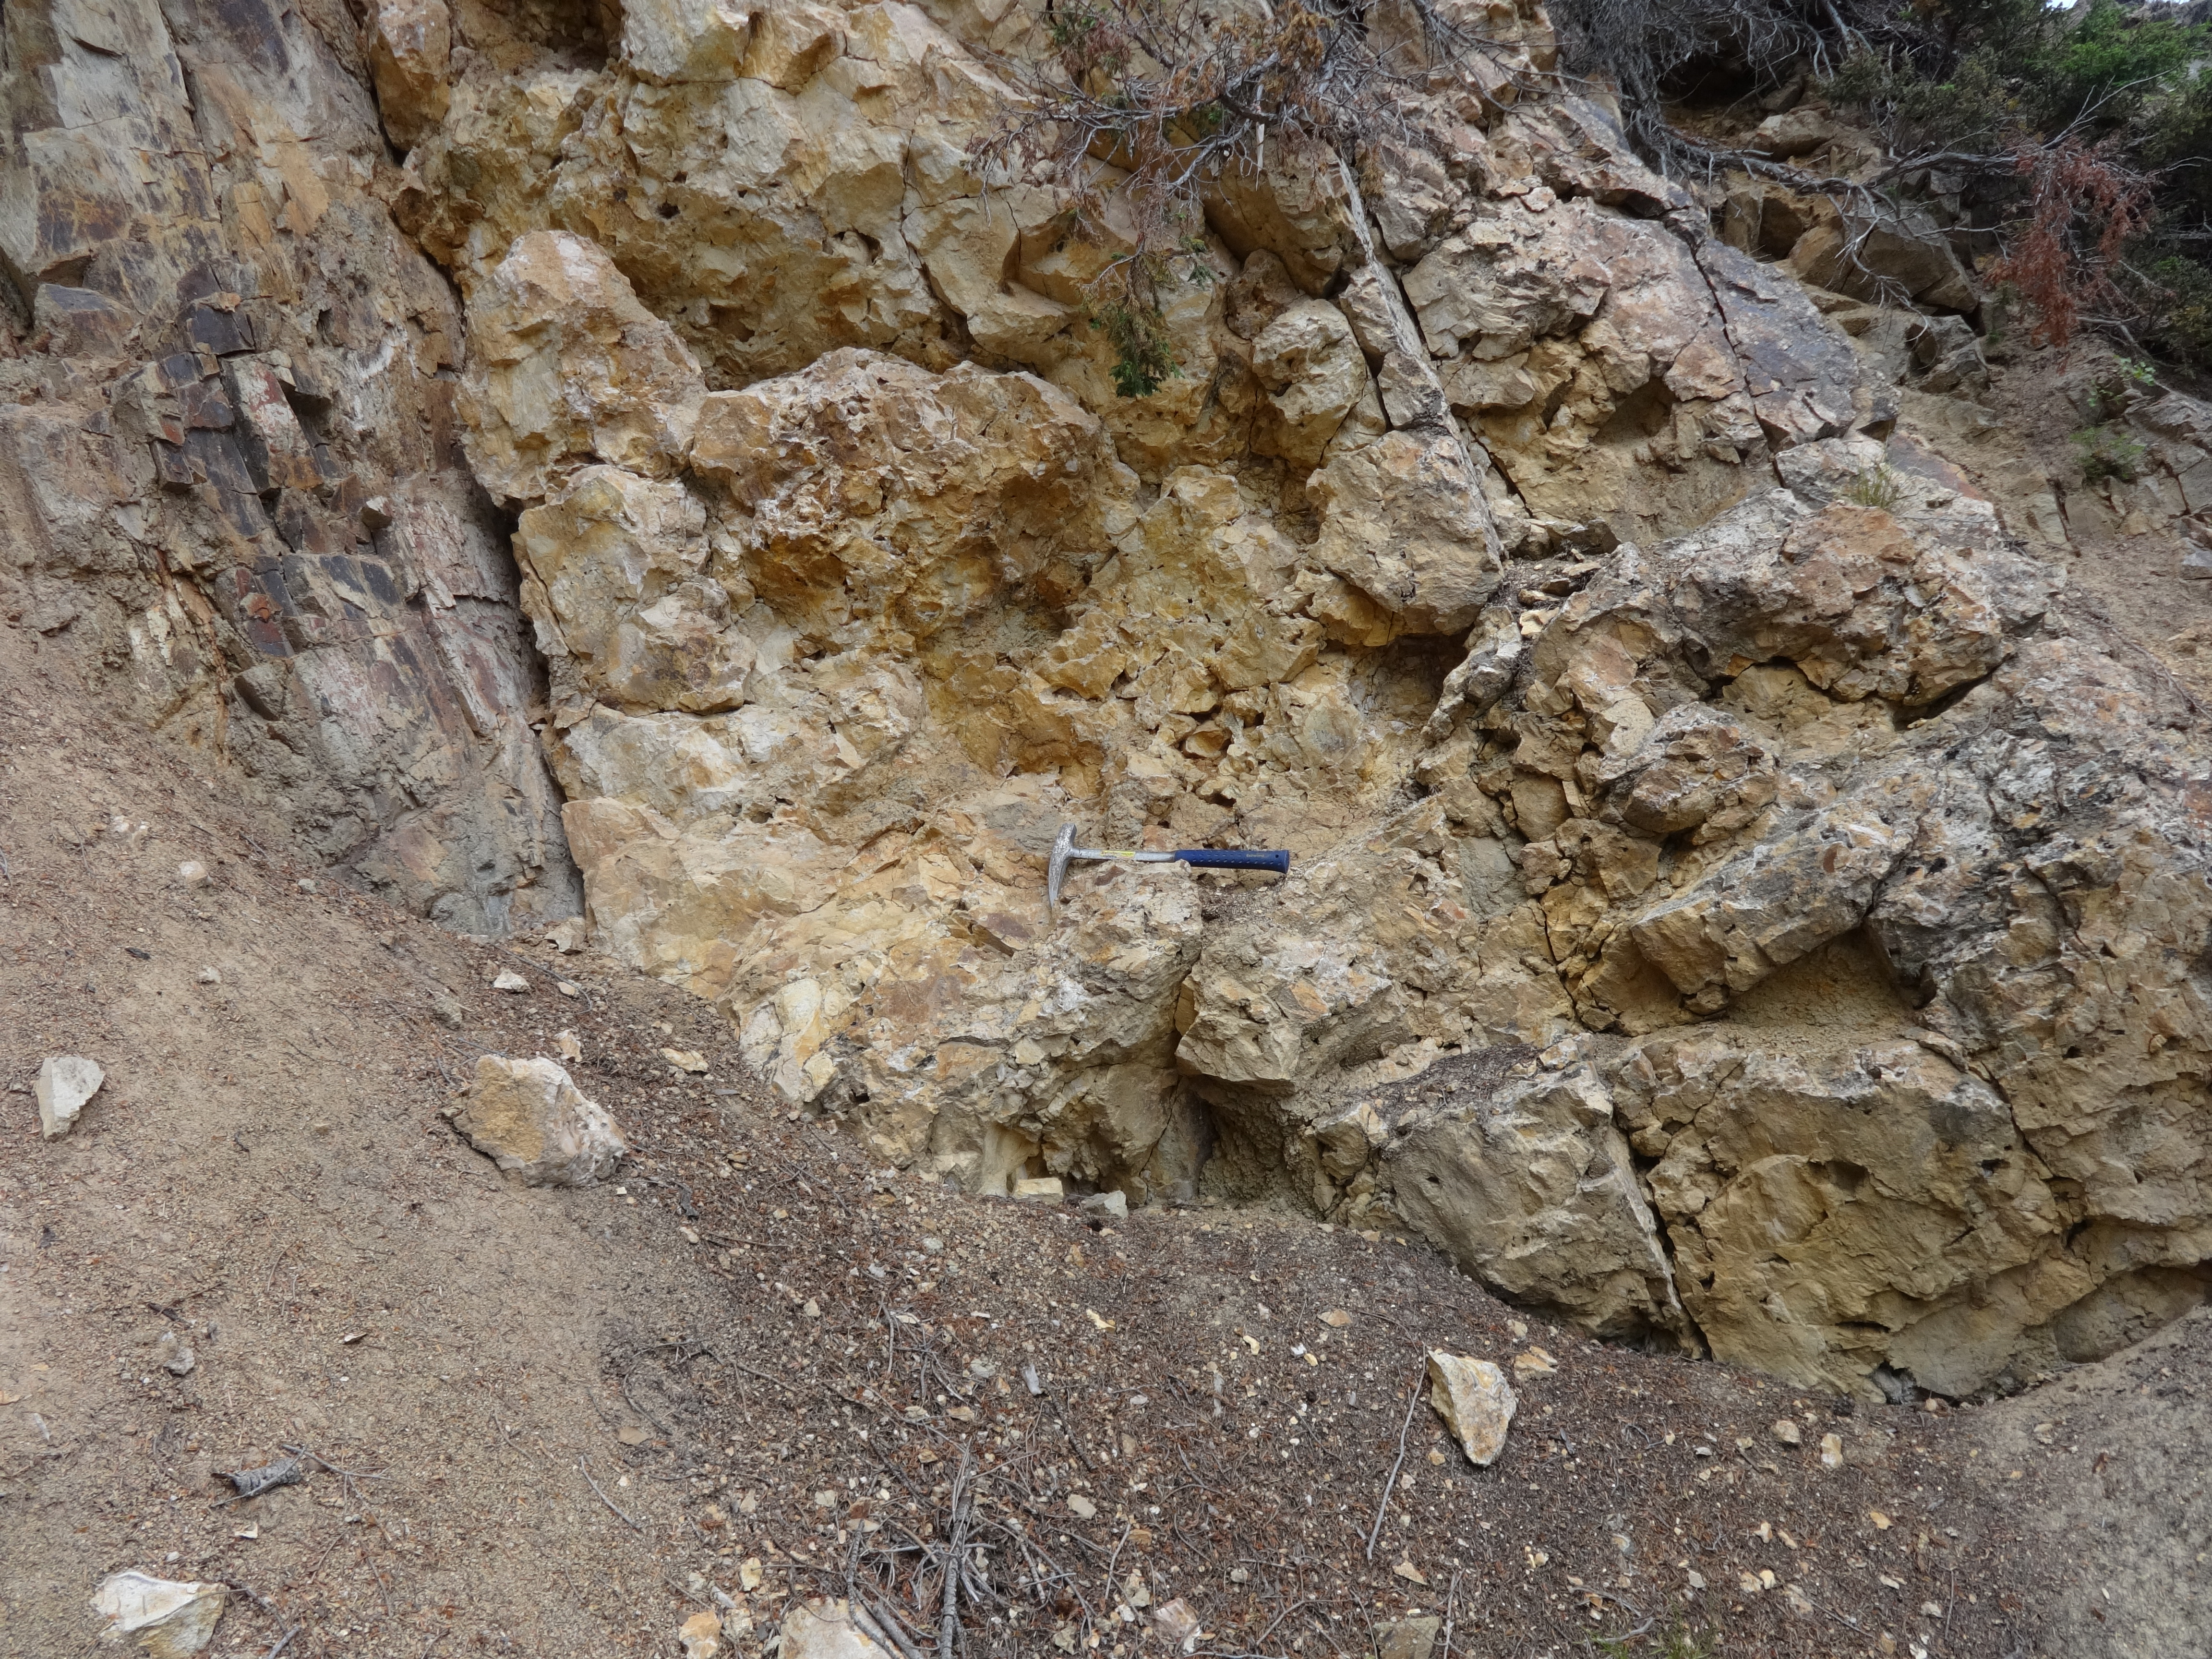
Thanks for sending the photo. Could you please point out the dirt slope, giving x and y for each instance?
(774, 1364)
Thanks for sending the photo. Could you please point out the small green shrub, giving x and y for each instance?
(2106, 453)
(1875, 487)
(1144, 359)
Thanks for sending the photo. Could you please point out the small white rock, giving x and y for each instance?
(192, 874)
(829, 1629)
(1786, 1431)
(568, 1043)
(568, 990)
(1832, 1451)
(509, 980)
(65, 1082)
(1044, 1187)
(169, 1620)
(1081, 1507)
(209, 976)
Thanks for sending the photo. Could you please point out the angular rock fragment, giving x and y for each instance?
(830, 1629)
(410, 44)
(531, 1120)
(1475, 1401)
(166, 1619)
(65, 1082)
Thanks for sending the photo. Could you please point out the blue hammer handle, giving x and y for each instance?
(1207, 858)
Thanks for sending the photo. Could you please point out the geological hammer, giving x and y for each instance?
(1065, 851)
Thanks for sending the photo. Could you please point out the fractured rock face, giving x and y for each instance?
(567, 367)
(1501, 549)
(1536, 1184)
(229, 460)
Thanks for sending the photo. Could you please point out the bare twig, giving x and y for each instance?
(283, 1642)
(1383, 1508)
(948, 1627)
(635, 1525)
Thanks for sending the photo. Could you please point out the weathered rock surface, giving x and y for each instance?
(230, 456)
(1509, 547)
(530, 1119)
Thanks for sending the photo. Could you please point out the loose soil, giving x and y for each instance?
(750, 1369)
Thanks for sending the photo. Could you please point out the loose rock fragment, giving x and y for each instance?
(65, 1082)
(192, 874)
(701, 1635)
(166, 1619)
(1081, 1507)
(1475, 1401)
(1407, 1638)
(1786, 1431)
(1177, 1625)
(529, 1118)
(1041, 1186)
(1534, 1362)
(828, 1630)
(1832, 1451)
(685, 1060)
(509, 980)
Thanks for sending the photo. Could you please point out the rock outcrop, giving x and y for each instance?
(1739, 901)
(229, 455)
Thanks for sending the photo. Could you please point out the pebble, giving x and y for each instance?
(1832, 1451)
(685, 1060)
(192, 874)
(509, 980)
(1081, 1507)
(568, 1042)
(1535, 1362)
(567, 989)
(209, 976)
(1786, 1431)
(65, 1082)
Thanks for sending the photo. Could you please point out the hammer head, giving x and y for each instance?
(1062, 846)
